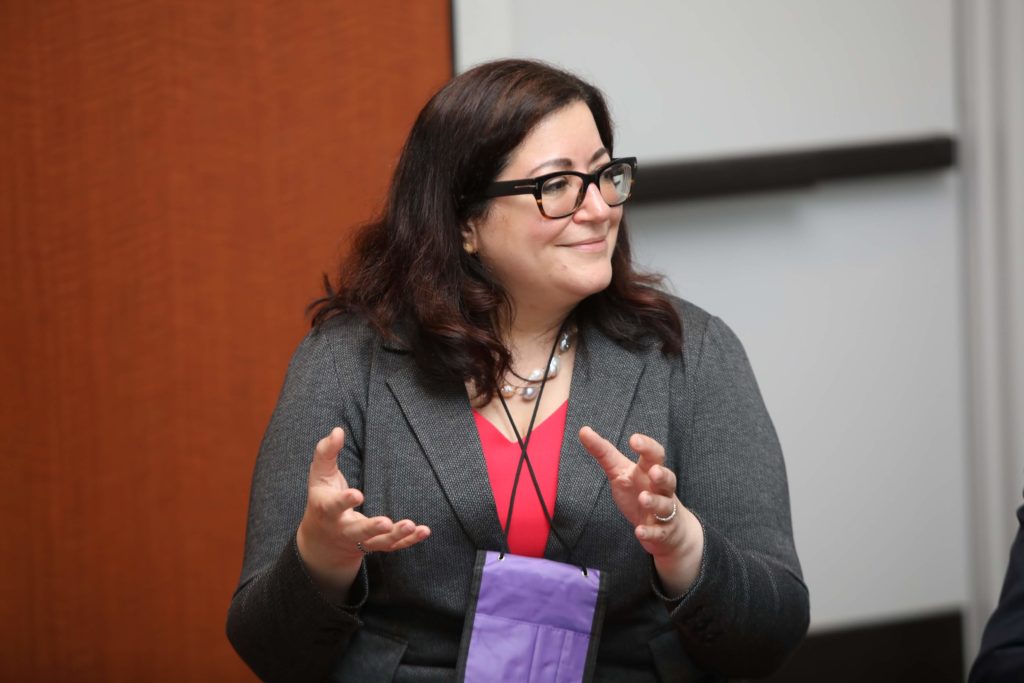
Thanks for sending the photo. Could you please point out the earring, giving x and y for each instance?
(470, 249)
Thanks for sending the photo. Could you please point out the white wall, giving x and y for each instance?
(690, 78)
(847, 299)
(991, 48)
(848, 296)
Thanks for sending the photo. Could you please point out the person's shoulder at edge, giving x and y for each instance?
(695, 321)
(699, 325)
(341, 347)
(348, 336)
(694, 318)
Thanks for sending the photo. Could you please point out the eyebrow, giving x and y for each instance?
(563, 162)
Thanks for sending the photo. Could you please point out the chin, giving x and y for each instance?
(589, 286)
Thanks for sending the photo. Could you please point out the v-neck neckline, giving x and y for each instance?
(536, 427)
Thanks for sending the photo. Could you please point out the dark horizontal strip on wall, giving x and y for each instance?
(927, 649)
(790, 170)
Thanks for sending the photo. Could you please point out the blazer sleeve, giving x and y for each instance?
(749, 607)
(1001, 658)
(279, 622)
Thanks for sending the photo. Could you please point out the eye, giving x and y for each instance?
(613, 173)
(618, 176)
(555, 186)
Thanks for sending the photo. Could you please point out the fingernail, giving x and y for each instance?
(638, 441)
(641, 532)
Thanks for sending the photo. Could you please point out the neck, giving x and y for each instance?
(533, 329)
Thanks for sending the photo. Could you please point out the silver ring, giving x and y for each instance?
(669, 517)
(364, 551)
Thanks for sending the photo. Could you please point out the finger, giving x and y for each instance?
(405, 534)
(661, 506)
(653, 533)
(662, 480)
(650, 452)
(420, 534)
(330, 503)
(366, 529)
(325, 457)
(607, 456)
(651, 460)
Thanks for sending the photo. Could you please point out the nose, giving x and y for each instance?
(594, 207)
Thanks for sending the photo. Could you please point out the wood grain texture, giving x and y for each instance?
(175, 178)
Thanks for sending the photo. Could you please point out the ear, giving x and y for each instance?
(470, 240)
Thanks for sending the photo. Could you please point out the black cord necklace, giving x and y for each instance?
(528, 391)
(524, 457)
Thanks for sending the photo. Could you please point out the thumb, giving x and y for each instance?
(325, 457)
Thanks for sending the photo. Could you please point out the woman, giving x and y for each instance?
(651, 458)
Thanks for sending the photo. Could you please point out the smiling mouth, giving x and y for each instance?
(588, 245)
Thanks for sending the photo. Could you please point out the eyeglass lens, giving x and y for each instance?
(562, 195)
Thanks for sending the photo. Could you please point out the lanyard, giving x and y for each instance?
(524, 457)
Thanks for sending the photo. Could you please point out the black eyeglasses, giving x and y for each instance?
(561, 194)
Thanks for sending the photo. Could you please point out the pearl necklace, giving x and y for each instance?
(528, 391)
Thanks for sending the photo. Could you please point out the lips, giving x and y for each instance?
(593, 244)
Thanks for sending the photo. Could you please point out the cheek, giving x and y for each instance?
(514, 248)
(613, 233)
(616, 217)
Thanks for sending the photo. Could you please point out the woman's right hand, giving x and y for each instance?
(331, 528)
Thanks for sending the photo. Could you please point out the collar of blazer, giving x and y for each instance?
(604, 382)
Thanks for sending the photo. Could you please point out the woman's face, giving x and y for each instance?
(545, 264)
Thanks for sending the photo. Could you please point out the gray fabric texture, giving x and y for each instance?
(412, 448)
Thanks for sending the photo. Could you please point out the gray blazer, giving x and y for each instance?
(412, 448)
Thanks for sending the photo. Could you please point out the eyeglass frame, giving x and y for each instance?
(534, 186)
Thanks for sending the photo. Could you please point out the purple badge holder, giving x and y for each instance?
(531, 619)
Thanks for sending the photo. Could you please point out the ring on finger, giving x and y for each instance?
(364, 551)
(670, 516)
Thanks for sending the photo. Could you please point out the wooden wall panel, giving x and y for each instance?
(174, 178)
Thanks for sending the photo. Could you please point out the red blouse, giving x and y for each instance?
(529, 527)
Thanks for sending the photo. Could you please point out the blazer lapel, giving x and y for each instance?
(442, 421)
(604, 382)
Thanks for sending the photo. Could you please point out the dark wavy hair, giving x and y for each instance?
(408, 267)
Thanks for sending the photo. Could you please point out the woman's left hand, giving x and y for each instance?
(643, 491)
